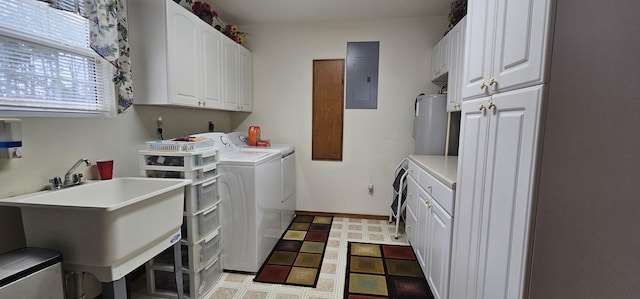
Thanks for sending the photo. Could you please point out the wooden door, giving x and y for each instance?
(328, 112)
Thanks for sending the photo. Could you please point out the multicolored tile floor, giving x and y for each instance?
(331, 280)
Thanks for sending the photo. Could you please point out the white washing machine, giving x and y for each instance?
(288, 172)
(250, 189)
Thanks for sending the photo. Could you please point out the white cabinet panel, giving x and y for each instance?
(506, 45)
(175, 56)
(473, 142)
(184, 50)
(230, 58)
(429, 228)
(439, 252)
(212, 66)
(494, 194)
(456, 49)
(245, 79)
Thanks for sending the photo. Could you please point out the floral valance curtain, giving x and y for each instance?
(109, 38)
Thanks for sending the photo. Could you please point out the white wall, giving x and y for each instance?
(374, 140)
(52, 145)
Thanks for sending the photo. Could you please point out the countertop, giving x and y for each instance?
(443, 168)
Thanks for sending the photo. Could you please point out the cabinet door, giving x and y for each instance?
(230, 60)
(444, 55)
(468, 199)
(456, 49)
(478, 47)
(212, 66)
(412, 207)
(435, 61)
(439, 250)
(184, 52)
(422, 236)
(245, 79)
(508, 189)
(521, 42)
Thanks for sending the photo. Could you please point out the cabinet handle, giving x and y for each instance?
(482, 107)
(491, 105)
(429, 188)
(493, 82)
(483, 85)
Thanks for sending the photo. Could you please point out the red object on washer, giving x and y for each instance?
(254, 135)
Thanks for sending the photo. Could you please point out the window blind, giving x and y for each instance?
(46, 63)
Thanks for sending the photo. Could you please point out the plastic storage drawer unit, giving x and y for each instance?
(201, 196)
(196, 284)
(197, 227)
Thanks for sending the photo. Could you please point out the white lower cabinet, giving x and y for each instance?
(498, 144)
(429, 228)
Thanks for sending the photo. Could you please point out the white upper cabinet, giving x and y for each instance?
(230, 58)
(456, 57)
(179, 60)
(506, 45)
(183, 41)
(237, 76)
(245, 93)
(212, 66)
(440, 59)
(175, 56)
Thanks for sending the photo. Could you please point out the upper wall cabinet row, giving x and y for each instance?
(440, 60)
(506, 46)
(179, 60)
(447, 57)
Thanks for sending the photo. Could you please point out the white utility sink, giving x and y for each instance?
(107, 228)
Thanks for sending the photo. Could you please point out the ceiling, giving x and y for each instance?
(244, 12)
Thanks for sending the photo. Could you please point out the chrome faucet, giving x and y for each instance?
(70, 178)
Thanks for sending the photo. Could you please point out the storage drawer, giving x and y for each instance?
(412, 193)
(161, 281)
(201, 196)
(179, 161)
(203, 173)
(197, 227)
(414, 170)
(203, 253)
(438, 190)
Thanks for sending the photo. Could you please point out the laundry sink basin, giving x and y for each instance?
(107, 228)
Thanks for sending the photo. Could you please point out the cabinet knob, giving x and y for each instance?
(493, 82)
(429, 188)
(491, 105)
(482, 107)
(483, 85)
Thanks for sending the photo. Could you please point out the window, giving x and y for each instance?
(46, 64)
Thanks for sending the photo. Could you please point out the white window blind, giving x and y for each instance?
(46, 64)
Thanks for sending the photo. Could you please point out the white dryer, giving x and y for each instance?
(288, 171)
(250, 190)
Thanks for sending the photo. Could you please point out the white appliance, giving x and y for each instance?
(430, 124)
(250, 191)
(287, 172)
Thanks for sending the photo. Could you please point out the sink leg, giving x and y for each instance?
(177, 268)
(115, 289)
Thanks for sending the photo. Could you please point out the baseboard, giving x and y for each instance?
(346, 215)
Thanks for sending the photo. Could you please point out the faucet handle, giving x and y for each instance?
(56, 183)
(77, 178)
